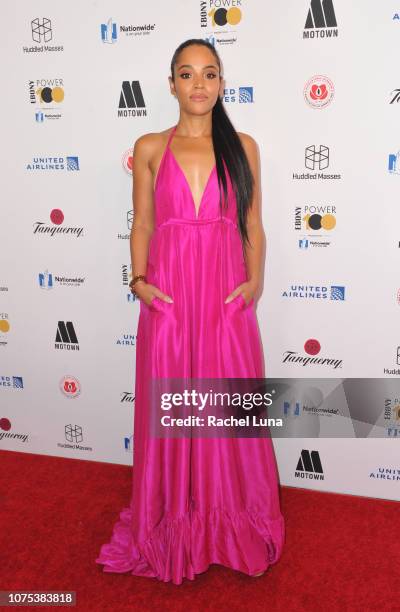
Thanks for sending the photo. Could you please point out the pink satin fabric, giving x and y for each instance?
(196, 501)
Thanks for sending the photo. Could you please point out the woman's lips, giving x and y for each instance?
(198, 98)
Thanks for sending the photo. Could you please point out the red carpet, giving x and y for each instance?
(342, 552)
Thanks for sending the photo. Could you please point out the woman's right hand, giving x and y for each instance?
(147, 292)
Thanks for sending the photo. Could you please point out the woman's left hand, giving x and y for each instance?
(247, 289)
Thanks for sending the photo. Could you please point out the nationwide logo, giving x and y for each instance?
(126, 396)
(70, 387)
(396, 17)
(57, 219)
(128, 443)
(309, 465)
(11, 382)
(69, 163)
(394, 163)
(242, 95)
(395, 96)
(48, 281)
(126, 340)
(3, 288)
(127, 161)
(315, 292)
(74, 436)
(223, 16)
(319, 91)
(311, 347)
(131, 101)
(294, 409)
(66, 337)
(321, 20)
(46, 93)
(5, 426)
(42, 33)
(383, 473)
(109, 30)
(4, 328)
(316, 158)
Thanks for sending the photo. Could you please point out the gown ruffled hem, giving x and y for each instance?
(182, 547)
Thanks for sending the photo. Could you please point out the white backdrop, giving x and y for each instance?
(67, 323)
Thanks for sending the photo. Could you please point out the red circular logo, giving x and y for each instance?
(57, 216)
(127, 161)
(5, 424)
(70, 386)
(319, 91)
(312, 346)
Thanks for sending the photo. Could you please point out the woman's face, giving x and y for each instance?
(197, 80)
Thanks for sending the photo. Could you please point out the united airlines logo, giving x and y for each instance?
(309, 465)
(131, 100)
(321, 20)
(12, 382)
(41, 30)
(66, 337)
(315, 292)
(108, 32)
(242, 95)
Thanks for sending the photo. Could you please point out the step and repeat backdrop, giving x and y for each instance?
(317, 85)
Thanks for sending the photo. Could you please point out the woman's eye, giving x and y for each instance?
(211, 75)
(184, 74)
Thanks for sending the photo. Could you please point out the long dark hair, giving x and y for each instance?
(227, 147)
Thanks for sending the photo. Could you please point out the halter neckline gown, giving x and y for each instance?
(196, 501)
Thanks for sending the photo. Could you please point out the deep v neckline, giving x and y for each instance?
(196, 210)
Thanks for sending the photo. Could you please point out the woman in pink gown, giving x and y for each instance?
(197, 501)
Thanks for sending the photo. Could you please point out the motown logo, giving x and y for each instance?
(66, 338)
(41, 30)
(321, 20)
(131, 101)
(317, 158)
(312, 347)
(319, 91)
(309, 465)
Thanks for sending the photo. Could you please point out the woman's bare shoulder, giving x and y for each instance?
(247, 140)
(147, 145)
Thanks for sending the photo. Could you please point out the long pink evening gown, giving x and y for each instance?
(196, 501)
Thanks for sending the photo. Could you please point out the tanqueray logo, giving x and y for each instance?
(57, 219)
(395, 96)
(311, 347)
(321, 20)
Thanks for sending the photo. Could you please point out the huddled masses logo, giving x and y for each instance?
(309, 465)
(131, 100)
(66, 337)
(73, 433)
(311, 347)
(317, 158)
(321, 20)
(319, 91)
(42, 34)
(70, 386)
(41, 30)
